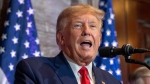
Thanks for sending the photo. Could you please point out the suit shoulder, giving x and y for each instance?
(107, 76)
(35, 60)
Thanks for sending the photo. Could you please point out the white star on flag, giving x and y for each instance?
(6, 23)
(15, 40)
(108, 32)
(25, 56)
(111, 61)
(102, 3)
(19, 13)
(27, 31)
(36, 54)
(106, 43)
(118, 72)
(103, 67)
(11, 67)
(8, 10)
(26, 44)
(112, 16)
(13, 53)
(17, 27)
(37, 41)
(29, 24)
(118, 60)
(110, 71)
(109, 21)
(2, 49)
(21, 1)
(30, 11)
(4, 37)
(114, 43)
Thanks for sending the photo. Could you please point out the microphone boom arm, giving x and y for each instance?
(135, 62)
(126, 54)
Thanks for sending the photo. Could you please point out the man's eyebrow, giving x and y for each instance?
(92, 22)
(77, 21)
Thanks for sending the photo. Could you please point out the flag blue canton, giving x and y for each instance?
(19, 38)
(112, 65)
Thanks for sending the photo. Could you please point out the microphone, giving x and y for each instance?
(126, 50)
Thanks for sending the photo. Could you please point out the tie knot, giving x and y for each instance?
(83, 71)
(84, 75)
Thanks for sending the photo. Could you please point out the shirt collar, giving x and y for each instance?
(75, 67)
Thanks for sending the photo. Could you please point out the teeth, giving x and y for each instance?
(86, 46)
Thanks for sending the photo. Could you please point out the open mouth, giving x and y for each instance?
(86, 44)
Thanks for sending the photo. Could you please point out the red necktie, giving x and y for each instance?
(84, 75)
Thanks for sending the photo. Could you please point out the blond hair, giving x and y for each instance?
(138, 74)
(74, 11)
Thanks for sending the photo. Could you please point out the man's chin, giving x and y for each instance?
(85, 62)
(82, 64)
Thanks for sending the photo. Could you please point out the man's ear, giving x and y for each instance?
(60, 38)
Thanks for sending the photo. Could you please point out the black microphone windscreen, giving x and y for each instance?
(104, 51)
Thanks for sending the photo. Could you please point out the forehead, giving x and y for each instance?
(85, 17)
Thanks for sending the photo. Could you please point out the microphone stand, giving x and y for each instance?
(128, 49)
(128, 60)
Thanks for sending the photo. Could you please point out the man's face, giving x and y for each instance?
(81, 39)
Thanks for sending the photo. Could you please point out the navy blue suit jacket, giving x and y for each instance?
(55, 70)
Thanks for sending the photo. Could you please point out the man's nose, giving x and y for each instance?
(86, 30)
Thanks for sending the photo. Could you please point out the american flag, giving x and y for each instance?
(112, 65)
(19, 38)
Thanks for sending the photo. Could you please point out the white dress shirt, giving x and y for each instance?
(75, 68)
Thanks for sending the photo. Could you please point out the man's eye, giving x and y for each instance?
(77, 26)
(93, 26)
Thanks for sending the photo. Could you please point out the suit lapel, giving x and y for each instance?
(98, 76)
(65, 73)
(63, 70)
